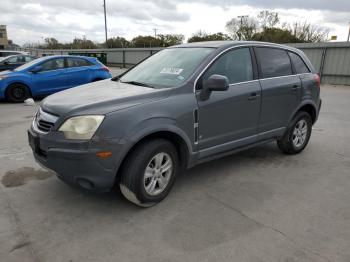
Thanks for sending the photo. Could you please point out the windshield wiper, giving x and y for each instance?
(116, 78)
(137, 83)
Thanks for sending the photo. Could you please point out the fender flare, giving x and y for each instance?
(302, 104)
(18, 82)
(147, 128)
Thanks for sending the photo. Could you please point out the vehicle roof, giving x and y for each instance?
(15, 55)
(43, 58)
(62, 56)
(225, 44)
(12, 51)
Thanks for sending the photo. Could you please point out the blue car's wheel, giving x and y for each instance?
(17, 93)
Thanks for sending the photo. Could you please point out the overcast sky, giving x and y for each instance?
(33, 20)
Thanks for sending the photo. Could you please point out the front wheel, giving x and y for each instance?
(17, 93)
(297, 135)
(149, 172)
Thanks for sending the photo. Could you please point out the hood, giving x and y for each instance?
(11, 74)
(5, 72)
(100, 97)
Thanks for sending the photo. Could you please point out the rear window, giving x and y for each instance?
(77, 62)
(274, 62)
(299, 64)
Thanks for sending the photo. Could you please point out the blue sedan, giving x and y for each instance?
(47, 75)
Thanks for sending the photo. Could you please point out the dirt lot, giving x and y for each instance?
(258, 205)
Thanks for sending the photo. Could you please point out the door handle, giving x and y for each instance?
(253, 96)
(295, 88)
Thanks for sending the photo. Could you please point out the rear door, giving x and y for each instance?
(51, 78)
(78, 71)
(229, 119)
(281, 90)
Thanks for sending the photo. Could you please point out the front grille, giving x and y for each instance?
(44, 126)
(43, 121)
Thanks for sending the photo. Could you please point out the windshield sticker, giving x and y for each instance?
(171, 70)
(180, 78)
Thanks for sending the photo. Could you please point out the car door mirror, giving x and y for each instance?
(6, 63)
(36, 69)
(214, 83)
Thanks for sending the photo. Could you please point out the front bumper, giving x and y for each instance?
(75, 162)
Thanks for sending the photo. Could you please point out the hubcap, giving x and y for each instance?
(300, 133)
(18, 93)
(158, 173)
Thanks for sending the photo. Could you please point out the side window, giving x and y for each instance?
(77, 62)
(28, 59)
(274, 62)
(299, 64)
(236, 65)
(53, 64)
(13, 60)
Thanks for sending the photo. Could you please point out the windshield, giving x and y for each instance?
(167, 68)
(29, 64)
(4, 58)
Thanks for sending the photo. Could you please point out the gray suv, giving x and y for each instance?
(180, 107)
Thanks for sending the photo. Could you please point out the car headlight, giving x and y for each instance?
(81, 127)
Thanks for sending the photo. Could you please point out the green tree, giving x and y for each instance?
(275, 35)
(265, 27)
(117, 42)
(203, 36)
(82, 44)
(170, 39)
(145, 41)
(52, 43)
(242, 29)
(308, 33)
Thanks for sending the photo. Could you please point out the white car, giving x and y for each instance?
(4, 53)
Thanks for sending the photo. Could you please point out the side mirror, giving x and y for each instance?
(6, 63)
(36, 69)
(214, 83)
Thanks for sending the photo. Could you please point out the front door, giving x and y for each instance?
(52, 77)
(229, 119)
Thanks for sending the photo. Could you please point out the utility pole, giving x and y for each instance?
(241, 17)
(155, 32)
(104, 8)
(349, 33)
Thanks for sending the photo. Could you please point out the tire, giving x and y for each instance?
(17, 93)
(136, 184)
(297, 135)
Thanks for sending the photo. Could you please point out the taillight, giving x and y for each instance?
(105, 68)
(318, 80)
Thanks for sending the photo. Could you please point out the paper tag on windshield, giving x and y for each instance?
(171, 70)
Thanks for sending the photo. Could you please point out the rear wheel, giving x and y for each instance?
(297, 135)
(17, 93)
(149, 172)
